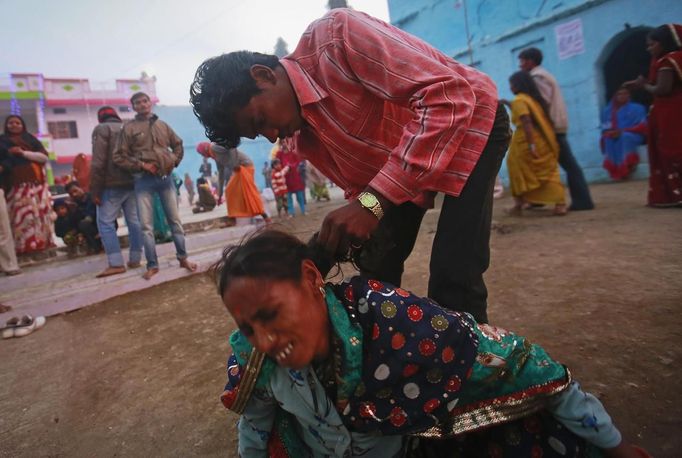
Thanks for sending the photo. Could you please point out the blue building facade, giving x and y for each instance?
(591, 47)
(186, 125)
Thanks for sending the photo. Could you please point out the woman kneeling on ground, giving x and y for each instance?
(363, 368)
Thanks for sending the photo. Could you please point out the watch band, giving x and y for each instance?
(371, 203)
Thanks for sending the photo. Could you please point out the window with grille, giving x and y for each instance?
(63, 129)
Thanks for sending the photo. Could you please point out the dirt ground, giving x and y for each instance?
(140, 374)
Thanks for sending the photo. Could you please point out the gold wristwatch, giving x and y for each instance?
(371, 203)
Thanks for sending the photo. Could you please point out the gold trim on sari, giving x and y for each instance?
(498, 410)
(248, 381)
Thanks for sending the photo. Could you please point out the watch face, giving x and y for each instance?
(368, 200)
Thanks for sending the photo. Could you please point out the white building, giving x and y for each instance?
(62, 112)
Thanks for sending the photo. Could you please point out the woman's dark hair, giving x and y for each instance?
(532, 54)
(23, 123)
(523, 82)
(268, 254)
(665, 37)
(222, 85)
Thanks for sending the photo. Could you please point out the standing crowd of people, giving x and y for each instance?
(131, 168)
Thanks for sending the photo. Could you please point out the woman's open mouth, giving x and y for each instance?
(284, 354)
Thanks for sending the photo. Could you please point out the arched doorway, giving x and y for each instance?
(624, 58)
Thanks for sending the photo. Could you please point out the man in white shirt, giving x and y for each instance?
(530, 60)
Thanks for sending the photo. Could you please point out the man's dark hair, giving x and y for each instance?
(70, 185)
(665, 37)
(138, 95)
(222, 85)
(532, 54)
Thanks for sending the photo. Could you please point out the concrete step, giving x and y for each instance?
(70, 284)
(61, 253)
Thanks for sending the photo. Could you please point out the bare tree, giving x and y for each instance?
(332, 4)
(281, 49)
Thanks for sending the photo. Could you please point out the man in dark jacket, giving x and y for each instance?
(150, 149)
(112, 190)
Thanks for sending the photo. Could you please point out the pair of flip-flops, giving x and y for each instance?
(22, 326)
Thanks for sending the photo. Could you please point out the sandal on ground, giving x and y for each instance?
(11, 273)
(20, 327)
(5, 308)
(111, 270)
(134, 265)
(150, 273)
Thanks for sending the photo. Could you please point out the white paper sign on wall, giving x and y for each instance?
(569, 38)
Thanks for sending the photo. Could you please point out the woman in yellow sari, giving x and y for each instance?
(533, 156)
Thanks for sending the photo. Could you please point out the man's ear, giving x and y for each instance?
(263, 74)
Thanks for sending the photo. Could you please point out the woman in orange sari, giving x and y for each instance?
(533, 155)
(665, 118)
(241, 193)
(28, 199)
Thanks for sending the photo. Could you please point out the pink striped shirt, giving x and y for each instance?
(385, 109)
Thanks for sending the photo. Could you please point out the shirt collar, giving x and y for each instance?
(306, 89)
(152, 118)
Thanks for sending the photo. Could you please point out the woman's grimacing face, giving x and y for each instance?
(285, 319)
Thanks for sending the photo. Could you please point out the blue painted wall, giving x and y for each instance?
(186, 125)
(499, 29)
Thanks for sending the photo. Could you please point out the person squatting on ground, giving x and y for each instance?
(530, 60)
(241, 193)
(26, 190)
(113, 189)
(317, 183)
(83, 212)
(624, 127)
(533, 155)
(206, 202)
(150, 150)
(665, 117)
(65, 226)
(392, 121)
(279, 186)
(380, 372)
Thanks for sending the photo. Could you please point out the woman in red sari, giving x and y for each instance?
(28, 199)
(665, 118)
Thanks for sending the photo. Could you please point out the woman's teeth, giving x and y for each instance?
(285, 353)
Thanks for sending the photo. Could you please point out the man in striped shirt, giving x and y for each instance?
(392, 121)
